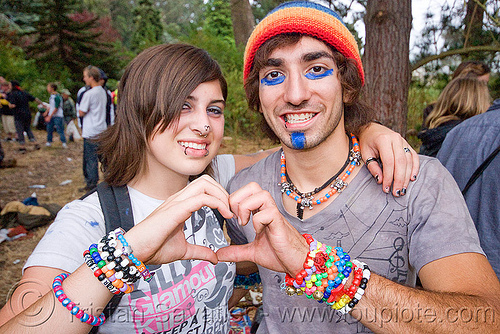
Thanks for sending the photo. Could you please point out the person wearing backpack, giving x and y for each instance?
(160, 161)
(54, 116)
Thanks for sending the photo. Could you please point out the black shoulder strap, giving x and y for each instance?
(117, 210)
(116, 207)
(220, 218)
(480, 170)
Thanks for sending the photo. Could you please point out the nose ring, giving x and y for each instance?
(207, 128)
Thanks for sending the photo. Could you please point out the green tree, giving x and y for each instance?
(60, 43)
(218, 19)
(121, 19)
(181, 17)
(147, 24)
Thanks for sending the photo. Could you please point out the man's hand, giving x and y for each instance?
(277, 246)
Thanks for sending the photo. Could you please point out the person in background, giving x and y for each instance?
(54, 115)
(110, 110)
(19, 100)
(462, 98)
(464, 149)
(7, 113)
(69, 112)
(473, 69)
(92, 109)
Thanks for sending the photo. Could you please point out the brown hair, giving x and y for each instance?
(356, 114)
(93, 72)
(471, 69)
(152, 91)
(53, 85)
(462, 98)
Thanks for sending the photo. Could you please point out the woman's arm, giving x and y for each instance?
(158, 239)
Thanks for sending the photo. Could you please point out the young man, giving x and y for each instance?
(303, 73)
(92, 109)
(54, 116)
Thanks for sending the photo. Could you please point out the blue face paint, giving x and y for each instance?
(273, 81)
(298, 140)
(313, 76)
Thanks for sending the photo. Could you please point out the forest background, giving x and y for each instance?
(45, 41)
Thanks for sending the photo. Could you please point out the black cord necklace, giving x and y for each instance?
(309, 196)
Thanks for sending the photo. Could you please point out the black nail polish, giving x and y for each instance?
(376, 177)
(398, 192)
(414, 177)
(403, 191)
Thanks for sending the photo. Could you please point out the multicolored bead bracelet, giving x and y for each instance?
(325, 274)
(75, 310)
(127, 251)
(98, 273)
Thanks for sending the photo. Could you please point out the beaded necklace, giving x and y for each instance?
(337, 183)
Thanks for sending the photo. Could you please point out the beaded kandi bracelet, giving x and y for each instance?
(127, 272)
(107, 247)
(127, 251)
(325, 274)
(75, 310)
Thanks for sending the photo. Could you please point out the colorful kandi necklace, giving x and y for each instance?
(336, 183)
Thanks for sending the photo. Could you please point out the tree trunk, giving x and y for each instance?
(473, 33)
(386, 60)
(243, 21)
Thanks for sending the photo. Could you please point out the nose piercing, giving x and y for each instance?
(207, 127)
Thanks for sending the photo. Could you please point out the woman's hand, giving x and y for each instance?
(160, 237)
(400, 161)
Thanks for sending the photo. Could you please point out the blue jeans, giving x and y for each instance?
(90, 163)
(59, 125)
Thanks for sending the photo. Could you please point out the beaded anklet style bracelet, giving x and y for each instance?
(75, 310)
(325, 274)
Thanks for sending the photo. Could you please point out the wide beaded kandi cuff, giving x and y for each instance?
(325, 275)
(115, 267)
(75, 310)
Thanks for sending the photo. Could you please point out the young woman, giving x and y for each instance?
(168, 130)
(462, 98)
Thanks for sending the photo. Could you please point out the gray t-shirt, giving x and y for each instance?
(395, 236)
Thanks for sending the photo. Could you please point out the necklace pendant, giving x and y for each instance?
(285, 186)
(339, 185)
(306, 202)
(356, 157)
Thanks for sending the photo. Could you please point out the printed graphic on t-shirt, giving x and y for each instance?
(188, 296)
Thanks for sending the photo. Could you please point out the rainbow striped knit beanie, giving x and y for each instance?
(306, 18)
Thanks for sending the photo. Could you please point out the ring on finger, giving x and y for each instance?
(406, 149)
(371, 159)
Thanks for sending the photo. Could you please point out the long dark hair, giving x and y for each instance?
(151, 92)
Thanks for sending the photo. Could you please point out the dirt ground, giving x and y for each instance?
(51, 166)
